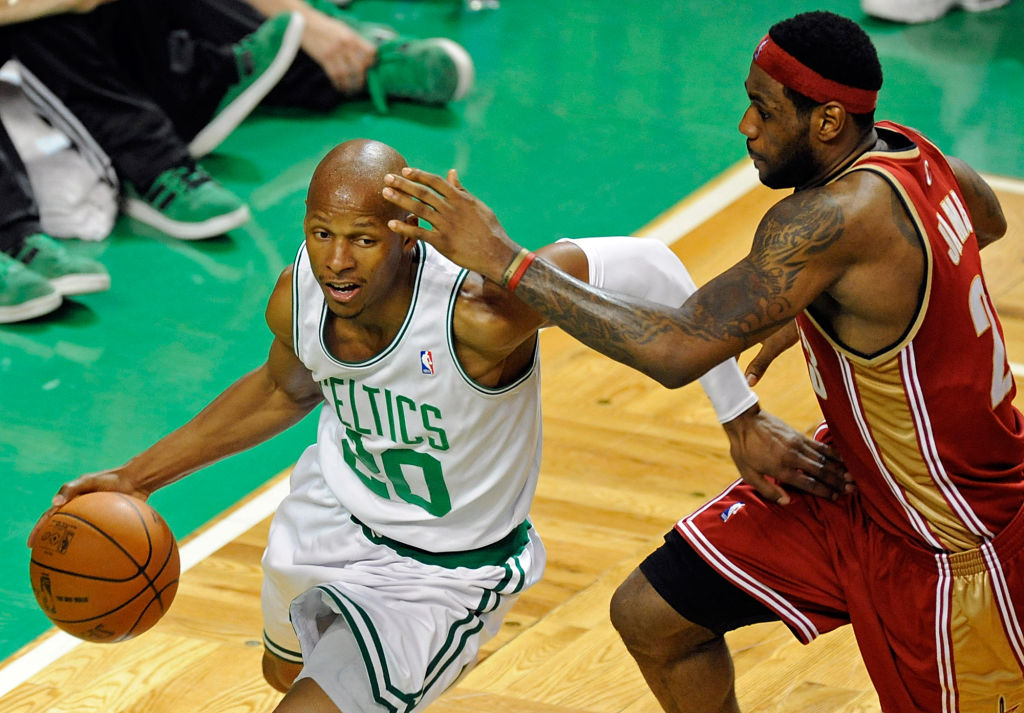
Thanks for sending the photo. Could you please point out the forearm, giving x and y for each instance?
(649, 270)
(272, 7)
(672, 345)
(643, 335)
(25, 10)
(249, 412)
(269, 8)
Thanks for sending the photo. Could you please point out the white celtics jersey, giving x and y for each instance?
(410, 444)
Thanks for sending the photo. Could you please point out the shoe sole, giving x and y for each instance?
(211, 227)
(33, 308)
(211, 135)
(80, 284)
(982, 5)
(463, 66)
(926, 12)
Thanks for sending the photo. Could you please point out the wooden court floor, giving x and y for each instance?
(624, 458)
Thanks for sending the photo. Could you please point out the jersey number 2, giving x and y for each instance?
(984, 320)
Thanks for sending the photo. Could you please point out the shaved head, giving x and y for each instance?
(353, 173)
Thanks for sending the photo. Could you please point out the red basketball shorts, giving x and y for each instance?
(938, 632)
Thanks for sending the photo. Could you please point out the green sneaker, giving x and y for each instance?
(23, 293)
(185, 202)
(67, 273)
(262, 58)
(435, 70)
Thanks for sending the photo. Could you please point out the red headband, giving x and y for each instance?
(791, 72)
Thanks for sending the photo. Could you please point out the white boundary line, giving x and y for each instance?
(706, 202)
(23, 667)
(668, 228)
(1002, 183)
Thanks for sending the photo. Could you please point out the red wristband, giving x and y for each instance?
(520, 271)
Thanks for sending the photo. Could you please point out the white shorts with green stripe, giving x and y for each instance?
(380, 626)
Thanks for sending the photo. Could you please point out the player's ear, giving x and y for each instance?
(828, 120)
(407, 240)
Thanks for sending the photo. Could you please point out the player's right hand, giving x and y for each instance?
(107, 480)
(463, 228)
(771, 455)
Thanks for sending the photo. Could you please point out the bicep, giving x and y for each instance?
(285, 371)
(798, 252)
(290, 377)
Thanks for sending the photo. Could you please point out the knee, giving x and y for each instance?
(280, 674)
(635, 612)
(626, 609)
(649, 626)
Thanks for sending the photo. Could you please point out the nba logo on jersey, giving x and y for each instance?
(730, 511)
(427, 362)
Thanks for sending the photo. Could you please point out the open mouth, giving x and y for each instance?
(342, 291)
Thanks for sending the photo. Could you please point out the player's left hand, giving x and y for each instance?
(465, 230)
(771, 347)
(770, 453)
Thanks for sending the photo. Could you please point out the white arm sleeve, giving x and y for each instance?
(646, 268)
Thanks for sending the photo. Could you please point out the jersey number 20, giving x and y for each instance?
(393, 462)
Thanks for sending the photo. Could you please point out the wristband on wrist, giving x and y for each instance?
(516, 269)
(727, 388)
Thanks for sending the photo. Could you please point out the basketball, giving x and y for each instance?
(105, 567)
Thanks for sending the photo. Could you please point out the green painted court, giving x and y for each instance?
(587, 118)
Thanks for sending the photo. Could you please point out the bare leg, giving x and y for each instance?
(279, 673)
(306, 697)
(687, 667)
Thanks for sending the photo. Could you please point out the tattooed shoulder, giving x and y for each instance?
(799, 226)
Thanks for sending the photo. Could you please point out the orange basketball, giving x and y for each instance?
(105, 567)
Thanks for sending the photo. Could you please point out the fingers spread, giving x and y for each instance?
(430, 180)
(767, 488)
(828, 467)
(414, 197)
(815, 486)
(409, 231)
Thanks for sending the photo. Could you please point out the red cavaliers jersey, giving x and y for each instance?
(927, 426)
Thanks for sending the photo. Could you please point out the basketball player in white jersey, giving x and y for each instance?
(405, 537)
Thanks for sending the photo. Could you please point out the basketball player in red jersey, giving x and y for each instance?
(873, 265)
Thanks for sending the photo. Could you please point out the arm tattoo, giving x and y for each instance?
(792, 233)
(612, 324)
(738, 307)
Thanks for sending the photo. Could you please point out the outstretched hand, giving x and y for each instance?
(770, 453)
(106, 480)
(463, 228)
